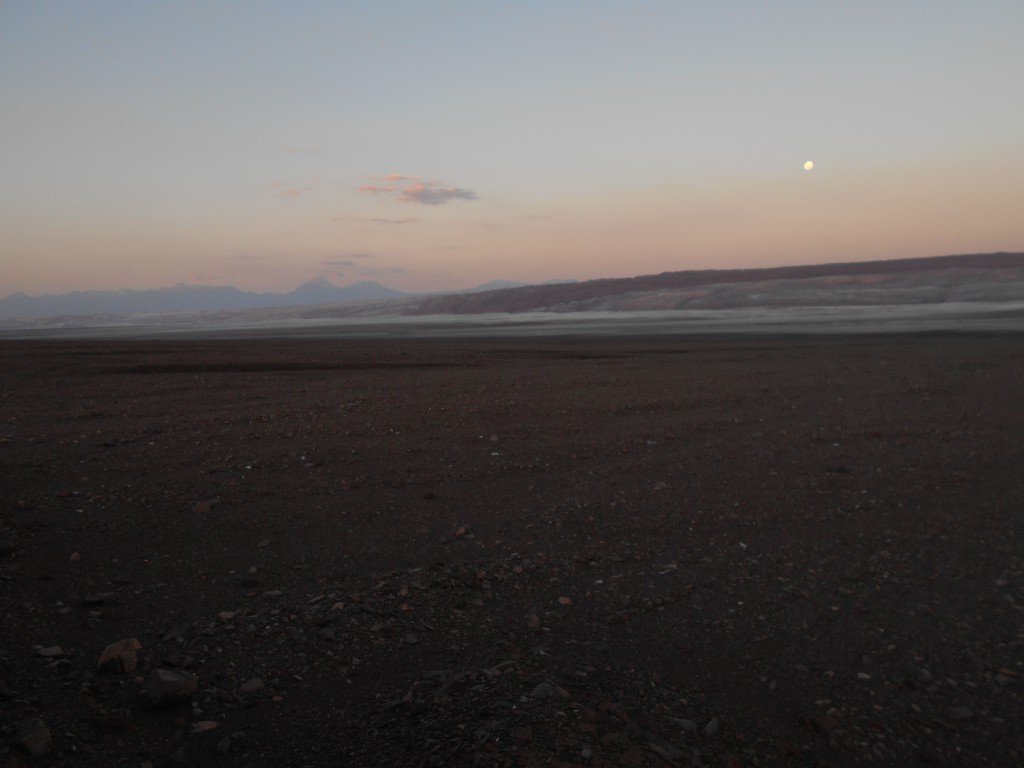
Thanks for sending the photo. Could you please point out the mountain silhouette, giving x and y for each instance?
(187, 298)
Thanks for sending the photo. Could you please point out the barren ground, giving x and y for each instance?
(729, 552)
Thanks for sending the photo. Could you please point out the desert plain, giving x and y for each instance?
(728, 550)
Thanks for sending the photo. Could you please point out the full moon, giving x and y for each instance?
(808, 165)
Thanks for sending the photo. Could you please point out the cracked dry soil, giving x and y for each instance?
(754, 551)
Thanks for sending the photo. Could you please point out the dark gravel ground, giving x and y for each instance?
(601, 552)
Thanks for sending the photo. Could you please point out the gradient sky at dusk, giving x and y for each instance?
(438, 145)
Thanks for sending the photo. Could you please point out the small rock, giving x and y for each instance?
(167, 687)
(955, 714)
(202, 726)
(565, 601)
(53, 652)
(60, 665)
(228, 743)
(252, 685)
(823, 724)
(177, 759)
(120, 656)
(666, 751)
(34, 737)
(263, 544)
(543, 691)
(270, 594)
(688, 726)
(533, 622)
(75, 557)
(712, 727)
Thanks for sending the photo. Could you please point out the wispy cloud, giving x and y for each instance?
(371, 272)
(427, 195)
(372, 220)
(413, 189)
(282, 189)
(347, 259)
(291, 192)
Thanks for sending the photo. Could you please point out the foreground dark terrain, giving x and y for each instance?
(619, 552)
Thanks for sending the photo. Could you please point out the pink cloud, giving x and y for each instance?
(418, 190)
(376, 220)
(429, 195)
(281, 189)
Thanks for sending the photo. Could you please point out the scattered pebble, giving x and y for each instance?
(252, 685)
(958, 713)
(543, 691)
(120, 656)
(167, 687)
(34, 737)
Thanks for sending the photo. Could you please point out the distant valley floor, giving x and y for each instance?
(976, 316)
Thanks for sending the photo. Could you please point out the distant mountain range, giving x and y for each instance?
(208, 298)
(187, 298)
(993, 277)
(936, 279)
(497, 285)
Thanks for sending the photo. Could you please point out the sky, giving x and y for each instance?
(439, 145)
